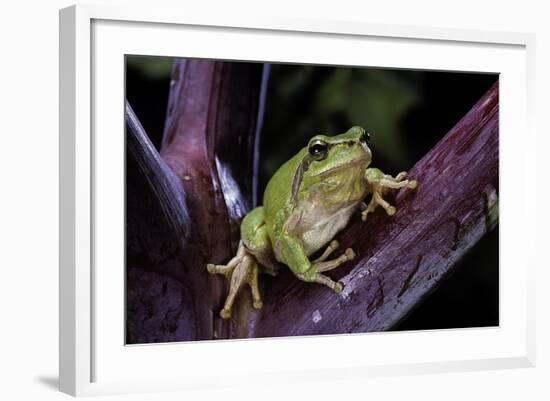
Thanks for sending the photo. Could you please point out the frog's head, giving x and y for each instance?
(331, 159)
(331, 154)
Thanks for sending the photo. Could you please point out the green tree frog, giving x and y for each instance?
(306, 203)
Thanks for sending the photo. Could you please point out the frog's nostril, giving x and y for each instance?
(365, 138)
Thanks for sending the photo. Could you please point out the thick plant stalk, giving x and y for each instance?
(209, 150)
(158, 228)
(210, 142)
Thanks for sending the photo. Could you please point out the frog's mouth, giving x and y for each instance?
(361, 160)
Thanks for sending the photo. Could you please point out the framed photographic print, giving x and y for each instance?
(322, 196)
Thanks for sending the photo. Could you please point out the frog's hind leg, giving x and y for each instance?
(256, 241)
(246, 271)
(243, 268)
(252, 281)
(230, 266)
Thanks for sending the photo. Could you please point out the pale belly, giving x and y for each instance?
(327, 210)
(324, 226)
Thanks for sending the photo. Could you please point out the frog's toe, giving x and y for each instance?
(401, 176)
(258, 304)
(225, 313)
(412, 184)
(350, 254)
(391, 210)
(338, 287)
(211, 268)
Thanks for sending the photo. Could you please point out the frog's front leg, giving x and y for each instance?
(291, 249)
(328, 250)
(380, 184)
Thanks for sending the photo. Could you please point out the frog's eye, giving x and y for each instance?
(318, 149)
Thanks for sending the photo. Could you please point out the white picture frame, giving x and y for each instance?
(93, 358)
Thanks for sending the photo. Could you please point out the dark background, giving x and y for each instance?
(406, 113)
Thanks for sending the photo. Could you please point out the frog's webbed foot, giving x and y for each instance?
(381, 184)
(321, 265)
(328, 250)
(243, 268)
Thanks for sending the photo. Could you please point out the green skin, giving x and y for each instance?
(306, 203)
